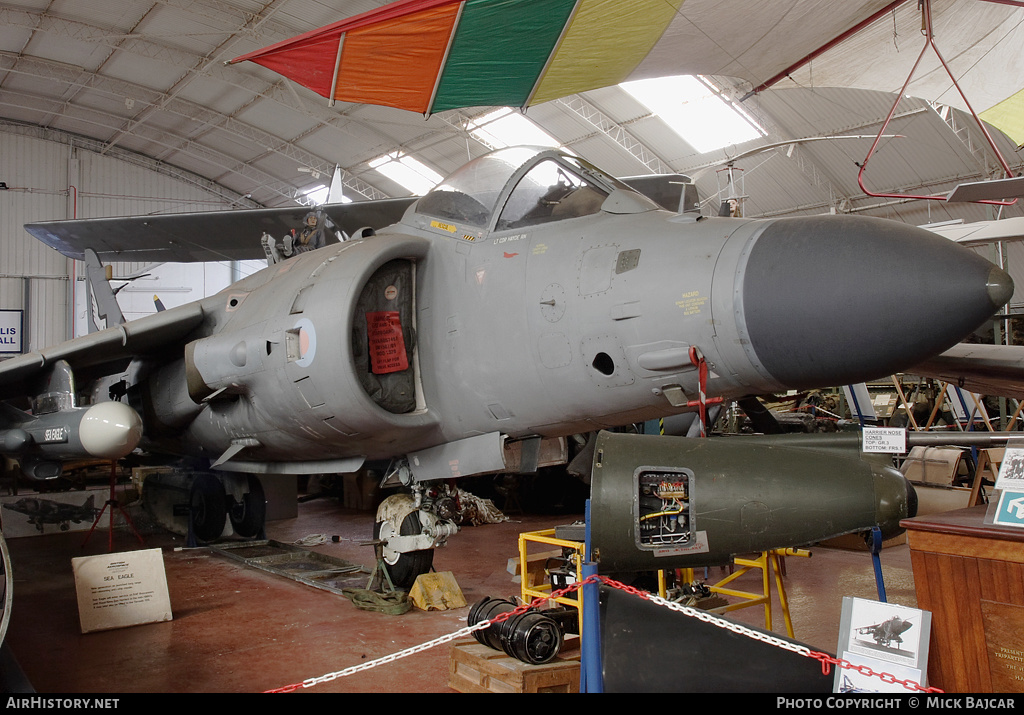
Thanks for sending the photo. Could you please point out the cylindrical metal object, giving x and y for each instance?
(530, 637)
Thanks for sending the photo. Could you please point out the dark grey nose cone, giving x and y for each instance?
(895, 500)
(834, 300)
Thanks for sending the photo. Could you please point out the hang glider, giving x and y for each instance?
(431, 55)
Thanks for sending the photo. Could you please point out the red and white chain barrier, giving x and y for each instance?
(827, 661)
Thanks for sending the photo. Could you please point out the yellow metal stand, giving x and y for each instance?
(543, 590)
(767, 562)
(684, 576)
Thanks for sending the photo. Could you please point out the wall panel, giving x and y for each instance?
(50, 178)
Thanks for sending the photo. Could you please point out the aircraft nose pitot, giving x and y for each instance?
(834, 300)
(1000, 287)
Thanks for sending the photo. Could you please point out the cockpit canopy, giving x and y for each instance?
(519, 187)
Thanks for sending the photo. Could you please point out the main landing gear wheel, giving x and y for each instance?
(208, 506)
(402, 567)
(249, 515)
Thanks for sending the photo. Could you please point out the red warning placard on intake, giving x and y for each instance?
(387, 346)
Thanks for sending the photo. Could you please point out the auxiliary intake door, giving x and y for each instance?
(384, 337)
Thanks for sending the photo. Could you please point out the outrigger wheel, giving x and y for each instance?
(399, 516)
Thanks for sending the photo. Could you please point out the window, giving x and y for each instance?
(504, 128)
(470, 193)
(414, 175)
(696, 110)
(549, 192)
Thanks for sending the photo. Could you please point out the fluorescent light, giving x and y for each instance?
(696, 111)
(414, 175)
(504, 127)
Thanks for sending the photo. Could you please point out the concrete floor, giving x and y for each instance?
(237, 629)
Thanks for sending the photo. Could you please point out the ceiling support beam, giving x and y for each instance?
(193, 65)
(803, 155)
(213, 122)
(218, 191)
(617, 133)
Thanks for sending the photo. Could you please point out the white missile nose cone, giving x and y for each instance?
(110, 430)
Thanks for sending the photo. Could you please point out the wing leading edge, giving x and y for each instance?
(202, 236)
(996, 370)
(102, 349)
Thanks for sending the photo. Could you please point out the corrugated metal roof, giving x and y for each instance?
(149, 78)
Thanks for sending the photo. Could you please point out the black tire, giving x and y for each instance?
(249, 515)
(407, 566)
(208, 507)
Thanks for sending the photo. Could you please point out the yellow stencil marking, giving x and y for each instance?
(443, 226)
(692, 302)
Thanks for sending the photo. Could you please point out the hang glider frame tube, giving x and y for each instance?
(823, 49)
(926, 20)
(337, 69)
(447, 51)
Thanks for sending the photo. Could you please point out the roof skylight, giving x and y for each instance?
(696, 110)
(505, 127)
(414, 175)
(315, 195)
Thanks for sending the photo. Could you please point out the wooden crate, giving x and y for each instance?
(476, 668)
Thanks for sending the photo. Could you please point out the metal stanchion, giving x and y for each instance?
(591, 673)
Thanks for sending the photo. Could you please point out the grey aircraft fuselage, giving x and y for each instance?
(541, 298)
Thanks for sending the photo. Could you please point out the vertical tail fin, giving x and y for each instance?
(99, 282)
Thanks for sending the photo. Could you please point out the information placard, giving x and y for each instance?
(1010, 509)
(11, 322)
(387, 344)
(1011, 469)
(122, 589)
(890, 639)
(887, 440)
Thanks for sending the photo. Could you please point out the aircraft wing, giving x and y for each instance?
(982, 232)
(109, 349)
(996, 370)
(202, 236)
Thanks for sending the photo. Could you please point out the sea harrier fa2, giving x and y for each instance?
(48, 511)
(527, 298)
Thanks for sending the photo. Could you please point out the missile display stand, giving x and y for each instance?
(112, 504)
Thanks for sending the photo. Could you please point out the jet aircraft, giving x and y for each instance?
(48, 511)
(527, 298)
(888, 631)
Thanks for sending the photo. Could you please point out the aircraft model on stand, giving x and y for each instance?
(528, 297)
